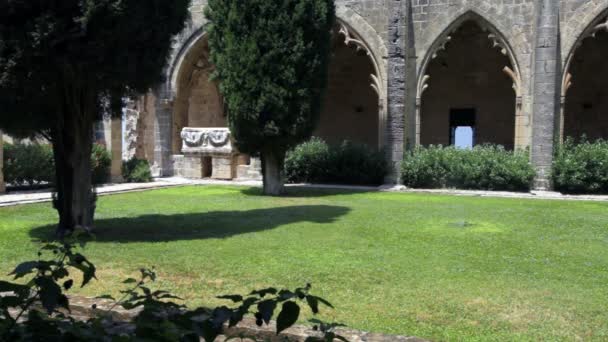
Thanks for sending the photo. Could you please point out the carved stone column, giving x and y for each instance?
(395, 125)
(2, 186)
(417, 125)
(545, 105)
(162, 166)
(116, 151)
(131, 131)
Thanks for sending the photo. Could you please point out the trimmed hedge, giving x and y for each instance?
(349, 163)
(485, 167)
(581, 168)
(28, 165)
(33, 164)
(136, 171)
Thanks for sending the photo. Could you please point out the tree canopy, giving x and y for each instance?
(63, 64)
(271, 59)
(106, 47)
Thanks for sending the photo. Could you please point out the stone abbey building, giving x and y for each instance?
(519, 73)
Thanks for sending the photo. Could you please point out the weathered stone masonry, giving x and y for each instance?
(399, 49)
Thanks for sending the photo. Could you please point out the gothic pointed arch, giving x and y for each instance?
(584, 84)
(486, 63)
(358, 80)
(498, 40)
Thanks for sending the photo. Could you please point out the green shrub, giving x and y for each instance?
(581, 167)
(136, 171)
(101, 162)
(359, 164)
(33, 164)
(317, 162)
(28, 164)
(484, 167)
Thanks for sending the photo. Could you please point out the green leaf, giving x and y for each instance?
(220, 316)
(10, 287)
(262, 293)
(313, 303)
(87, 269)
(206, 330)
(324, 302)
(286, 294)
(68, 284)
(288, 316)
(105, 297)
(24, 269)
(233, 298)
(10, 302)
(266, 308)
(50, 293)
(238, 315)
(129, 281)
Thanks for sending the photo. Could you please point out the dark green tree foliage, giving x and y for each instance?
(63, 64)
(271, 59)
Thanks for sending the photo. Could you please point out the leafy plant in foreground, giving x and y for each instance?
(48, 280)
(38, 308)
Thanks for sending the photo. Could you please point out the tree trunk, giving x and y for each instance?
(272, 170)
(72, 145)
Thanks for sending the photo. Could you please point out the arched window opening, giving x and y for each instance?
(585, 87)
(466, 93)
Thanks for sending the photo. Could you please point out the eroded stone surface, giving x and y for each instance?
(84, 307)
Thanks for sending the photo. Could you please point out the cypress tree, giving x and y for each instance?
(271, 59)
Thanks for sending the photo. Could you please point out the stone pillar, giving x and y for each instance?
(545, 105)
(116, 151)
(2, 186)
(413, 100)
(395, 123)
(162, 166)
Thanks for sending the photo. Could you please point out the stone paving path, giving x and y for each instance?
(25, 197)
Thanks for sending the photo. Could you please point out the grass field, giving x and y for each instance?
(439, 267)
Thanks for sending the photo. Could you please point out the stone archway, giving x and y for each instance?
(470, 78)
(584, 94)
(356, 37)
(197, 102)
(353, 108)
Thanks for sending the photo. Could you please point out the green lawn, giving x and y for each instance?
(440, 267)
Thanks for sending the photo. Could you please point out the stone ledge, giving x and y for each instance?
(83, 307)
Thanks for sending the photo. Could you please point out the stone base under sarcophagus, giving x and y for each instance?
(209, 153)
(198, 166)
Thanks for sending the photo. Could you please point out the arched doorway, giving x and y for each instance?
(585, 86)
(198, 102)
(352, 106)
(201, 141)
(468, 92)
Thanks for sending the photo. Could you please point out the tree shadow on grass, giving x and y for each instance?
(302, 191)
(206, 225)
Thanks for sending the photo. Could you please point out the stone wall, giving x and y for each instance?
(401, 39)
(83, 308)
(2, 185)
